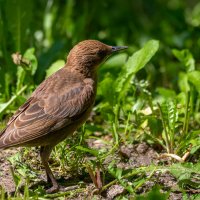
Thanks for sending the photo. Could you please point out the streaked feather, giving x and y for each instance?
(53, 105)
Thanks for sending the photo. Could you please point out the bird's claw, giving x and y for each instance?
(53, 189)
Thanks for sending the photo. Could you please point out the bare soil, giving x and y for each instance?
(128, 157)
(6, 179)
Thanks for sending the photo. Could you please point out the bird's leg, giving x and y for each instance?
(45, 152)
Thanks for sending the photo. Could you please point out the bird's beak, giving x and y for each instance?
(119, 48)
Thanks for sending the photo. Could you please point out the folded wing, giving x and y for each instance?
(44, 111)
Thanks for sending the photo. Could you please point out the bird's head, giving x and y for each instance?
(90, 53)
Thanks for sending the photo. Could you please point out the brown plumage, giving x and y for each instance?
(59, 105)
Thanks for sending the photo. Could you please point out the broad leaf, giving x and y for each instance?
(136, 62)
(55, 67)
(186, 58)
(194, 78)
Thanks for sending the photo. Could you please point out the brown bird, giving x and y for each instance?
(59, 105)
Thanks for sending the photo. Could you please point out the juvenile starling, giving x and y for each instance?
(59, 105)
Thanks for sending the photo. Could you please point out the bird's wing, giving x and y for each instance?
(52, 106)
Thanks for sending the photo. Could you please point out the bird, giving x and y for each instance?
(59, 105)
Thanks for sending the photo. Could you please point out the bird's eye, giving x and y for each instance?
(101, 53)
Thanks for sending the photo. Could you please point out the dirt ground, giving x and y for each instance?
(128, 157)
(5, 173)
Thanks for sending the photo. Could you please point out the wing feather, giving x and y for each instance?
(46, 111)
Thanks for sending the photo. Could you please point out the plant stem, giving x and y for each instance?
(172, 132)
(5, 106)
(186, 120)
(165, 130)
(140, 184)
(79, 190)
(115, 134)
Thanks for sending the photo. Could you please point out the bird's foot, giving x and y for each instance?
(53, 189)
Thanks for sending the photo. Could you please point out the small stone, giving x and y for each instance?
(114, 190)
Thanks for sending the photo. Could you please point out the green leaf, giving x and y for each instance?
(154, 194)
(186, 174)
(194, 78)
(183, 82)
(155, 125)
(20, 78)
(106, 89)
(18, 16)
(4, 106)
(166, 93)
(184, 169)
(136, 62)
(91, 151)
(14, 158)
(117, 173)
(186, 58)
(55, 67)
(115, 60)
(16, 177)
(169, 114)
(25, 73)
(193, 16)
(30, 56)
(138, 104)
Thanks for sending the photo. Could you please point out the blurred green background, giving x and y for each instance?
(53, 27)
(157, 102)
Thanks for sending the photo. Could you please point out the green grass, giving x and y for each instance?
(150, 93)
(163, 120)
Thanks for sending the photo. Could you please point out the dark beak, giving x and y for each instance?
(115, 48)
